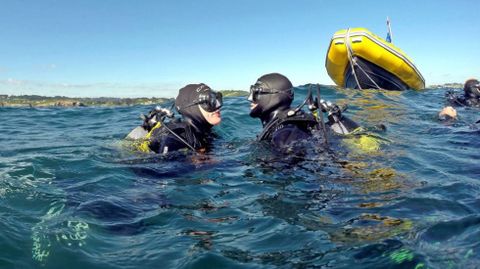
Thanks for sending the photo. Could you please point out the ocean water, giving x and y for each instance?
(74, 195)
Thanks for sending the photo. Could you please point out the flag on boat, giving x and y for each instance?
(389, 33)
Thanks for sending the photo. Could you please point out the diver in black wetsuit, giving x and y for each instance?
(471, 95)
(470, 98)
(199, 106)
(271, 98)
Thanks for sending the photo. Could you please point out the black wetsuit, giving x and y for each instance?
(163, 140)
(193, 131)
(283, 130)
(456, 100)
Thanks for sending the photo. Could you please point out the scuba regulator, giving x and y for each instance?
(336, 121)
(156, 115)
(155, 119)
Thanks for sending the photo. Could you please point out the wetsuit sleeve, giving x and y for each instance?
(456, 101)
(287, 135)
(343, 126)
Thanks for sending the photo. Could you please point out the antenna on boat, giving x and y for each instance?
(389, 33)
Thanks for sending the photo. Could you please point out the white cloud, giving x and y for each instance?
(45, 67)
(11, 81)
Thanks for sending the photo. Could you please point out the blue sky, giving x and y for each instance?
(127, 48)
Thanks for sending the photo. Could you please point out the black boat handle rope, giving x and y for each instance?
(353, 62)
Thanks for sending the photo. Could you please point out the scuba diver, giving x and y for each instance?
(470, 98)
(199, 106)
(271, 98)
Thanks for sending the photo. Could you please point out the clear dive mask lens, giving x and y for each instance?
(256, 90)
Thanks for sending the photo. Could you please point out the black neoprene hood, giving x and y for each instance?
(472, 88)
(267, 103)
(187, 96)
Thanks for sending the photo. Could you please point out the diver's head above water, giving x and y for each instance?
(199, 105)
(472, 88)
(272, 93)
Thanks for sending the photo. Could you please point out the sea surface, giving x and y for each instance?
(73, 193)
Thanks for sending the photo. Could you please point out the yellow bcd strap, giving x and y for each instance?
(144, 146)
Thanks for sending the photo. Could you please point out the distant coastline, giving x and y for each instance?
(447, 85)
(233, 93)
(62, 101)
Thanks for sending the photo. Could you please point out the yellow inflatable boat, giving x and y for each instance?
(359, 59)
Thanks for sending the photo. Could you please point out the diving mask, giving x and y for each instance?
(256, 90)
(210, 101)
